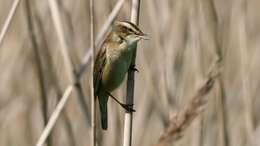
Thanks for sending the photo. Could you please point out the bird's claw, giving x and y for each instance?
(128, 107)
(133, 68)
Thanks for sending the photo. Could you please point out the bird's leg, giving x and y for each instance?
(127, 107)
(133, 68)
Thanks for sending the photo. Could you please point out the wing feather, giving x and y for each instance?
(100, 62)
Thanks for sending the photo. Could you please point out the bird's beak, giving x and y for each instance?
(143, 36)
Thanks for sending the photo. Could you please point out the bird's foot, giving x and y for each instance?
(133, 68)
(128, 107)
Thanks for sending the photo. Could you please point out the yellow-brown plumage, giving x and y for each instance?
(113, 61)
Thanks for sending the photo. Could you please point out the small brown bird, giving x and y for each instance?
(113, 61)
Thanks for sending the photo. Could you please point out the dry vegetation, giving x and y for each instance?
(187, 37)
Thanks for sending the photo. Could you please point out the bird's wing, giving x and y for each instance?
(100, 62)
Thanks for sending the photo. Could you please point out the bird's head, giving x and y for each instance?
(128, 31)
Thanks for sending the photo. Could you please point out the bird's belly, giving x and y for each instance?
(114, 74)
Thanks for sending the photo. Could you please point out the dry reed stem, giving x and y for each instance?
(210, 13)
(161, 51)
(130, 81)
(38, 65)
(184, 118)
(219, 46)
(243, 48)
(56, 18)
(72, 76)
(51, 75)
(8, 20)
(198, 70)
(92, 46)
(55, 116)
(68, 28)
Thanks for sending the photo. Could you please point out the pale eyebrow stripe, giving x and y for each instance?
(130, 26)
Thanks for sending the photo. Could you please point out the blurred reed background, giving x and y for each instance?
(186, 38)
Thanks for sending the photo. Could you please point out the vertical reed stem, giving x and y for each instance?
(8, 20)
(130, 81)
(92, 46)
(38, 65)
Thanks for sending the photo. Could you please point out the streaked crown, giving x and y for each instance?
(125, 28)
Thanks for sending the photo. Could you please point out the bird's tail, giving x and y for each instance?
(103, 111)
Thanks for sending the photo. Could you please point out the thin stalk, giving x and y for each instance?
(212, 20)
(164, 93)
(74, 59)
(8, 20)
(38, 65)
(196, 59)
(52, 76)
(55, 116)
(92, 46)
(72, 76)
(130, 81)
(61, 36)
(246, 94)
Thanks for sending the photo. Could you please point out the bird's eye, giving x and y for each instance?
(130, 30)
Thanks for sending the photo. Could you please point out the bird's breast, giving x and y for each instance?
(115, 70)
